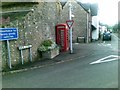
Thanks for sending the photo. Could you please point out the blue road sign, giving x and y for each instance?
(8, 33)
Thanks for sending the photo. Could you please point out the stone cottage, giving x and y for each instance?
(84, 14)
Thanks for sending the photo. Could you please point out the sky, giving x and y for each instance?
(108, 10)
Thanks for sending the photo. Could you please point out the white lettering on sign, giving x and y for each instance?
(8, 33)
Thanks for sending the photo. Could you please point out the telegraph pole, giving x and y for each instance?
(70, 18)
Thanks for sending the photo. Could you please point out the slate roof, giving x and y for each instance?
(86, 6)
(92, 7)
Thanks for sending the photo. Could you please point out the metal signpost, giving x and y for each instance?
(70, 23)
(7, 34)
(30, 52)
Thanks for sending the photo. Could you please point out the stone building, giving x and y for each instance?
(85, 24)
(80, 19)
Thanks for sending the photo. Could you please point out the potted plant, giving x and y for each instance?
(49, 49)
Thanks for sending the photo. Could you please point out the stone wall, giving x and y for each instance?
(34, 27)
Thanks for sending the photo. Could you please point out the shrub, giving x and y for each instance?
(46, 45)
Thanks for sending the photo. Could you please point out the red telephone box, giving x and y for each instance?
(62, 36)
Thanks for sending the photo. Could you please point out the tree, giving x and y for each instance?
(119, 26)
(115, 27)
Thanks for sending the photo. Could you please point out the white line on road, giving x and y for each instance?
(116, 36)
(103, 44)
(106, 59)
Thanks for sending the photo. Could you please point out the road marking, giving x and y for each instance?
(106, 59)
(108, 44)
(104, 44)
(116, 36)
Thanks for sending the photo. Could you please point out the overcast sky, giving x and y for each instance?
(108, 11)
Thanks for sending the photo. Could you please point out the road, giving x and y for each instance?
(76, 73)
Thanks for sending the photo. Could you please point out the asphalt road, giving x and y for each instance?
(76, 73)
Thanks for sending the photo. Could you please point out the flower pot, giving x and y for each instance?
(51, 53)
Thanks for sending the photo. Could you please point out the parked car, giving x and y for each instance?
(107, 36)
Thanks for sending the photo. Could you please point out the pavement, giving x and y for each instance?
(62, 57)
